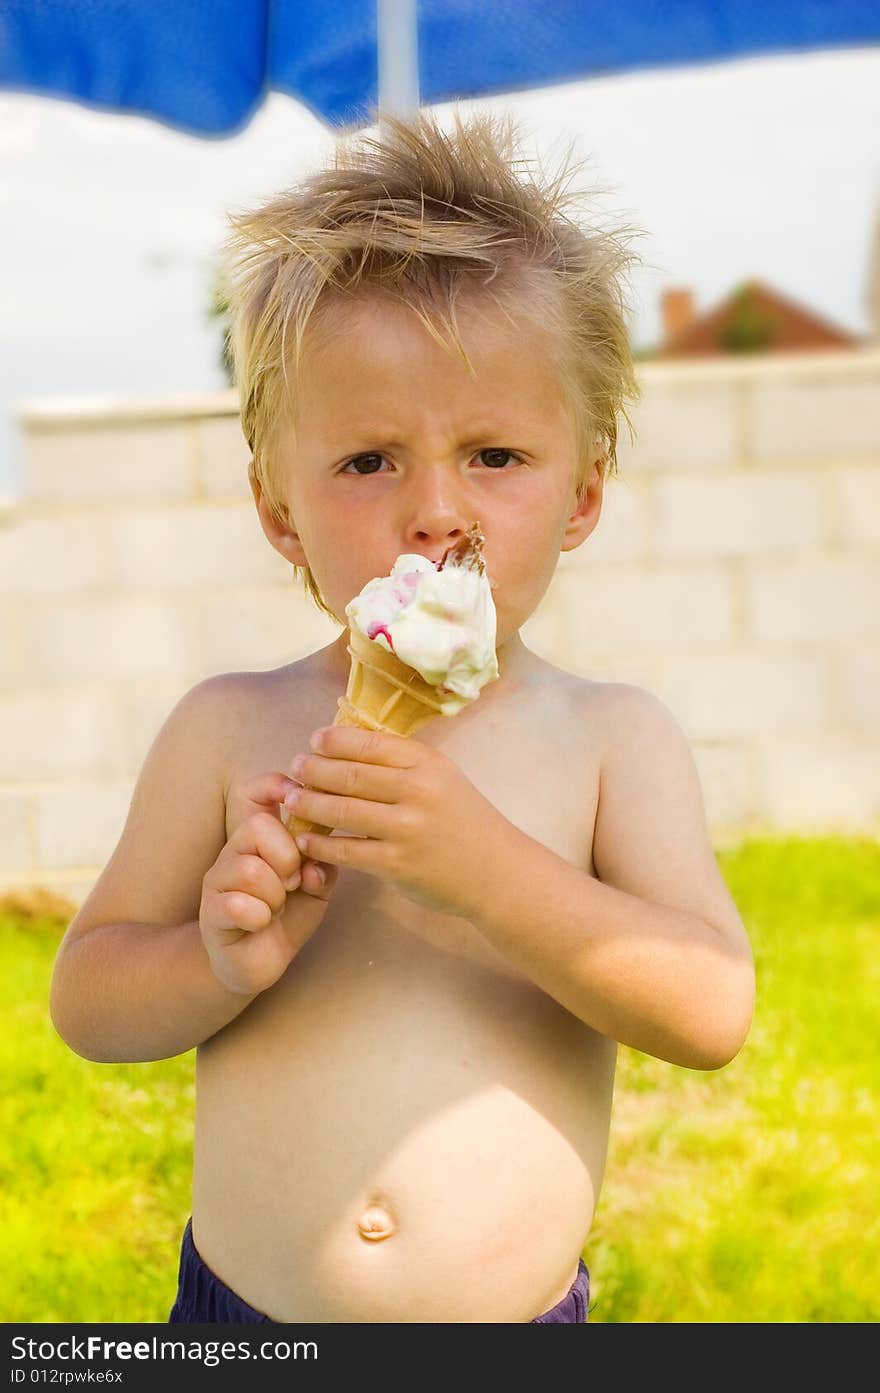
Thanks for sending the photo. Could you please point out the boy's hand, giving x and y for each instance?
(260, 903)
(419, 823)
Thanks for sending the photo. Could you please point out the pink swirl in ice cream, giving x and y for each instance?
(439, 618)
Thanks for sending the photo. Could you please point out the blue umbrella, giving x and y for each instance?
(205, 66)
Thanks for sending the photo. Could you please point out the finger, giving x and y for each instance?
(253, 876)
(357, 815)
(375, 782)
(366, 746)
(357, 853)
(264, 836)
(234, 909)
(318, 880)
(263, 791)
(295, 824)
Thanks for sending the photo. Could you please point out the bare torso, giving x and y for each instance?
(405, 1128)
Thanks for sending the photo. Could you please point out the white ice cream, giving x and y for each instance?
(440, 622)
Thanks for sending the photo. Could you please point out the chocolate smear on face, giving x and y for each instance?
(467, 552)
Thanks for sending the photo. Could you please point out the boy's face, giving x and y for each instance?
(400, 450)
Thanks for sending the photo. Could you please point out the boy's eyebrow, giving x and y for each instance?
(387, 440)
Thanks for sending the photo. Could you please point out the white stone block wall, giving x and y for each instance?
(735, 572)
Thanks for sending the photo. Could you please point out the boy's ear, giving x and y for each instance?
(282, 535)
(587, 507)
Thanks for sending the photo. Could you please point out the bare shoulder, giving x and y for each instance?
(641, 741)
(613, 709)
(594, 710)
(213, 718)
(624, 709)
(276, 712)
(239, 703)
(176, 823)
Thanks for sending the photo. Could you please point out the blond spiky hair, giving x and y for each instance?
(421, 216)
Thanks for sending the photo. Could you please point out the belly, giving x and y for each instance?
(400, 1130)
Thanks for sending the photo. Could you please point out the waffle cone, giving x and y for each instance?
(383, 693)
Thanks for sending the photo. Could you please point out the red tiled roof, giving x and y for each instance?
(754, 317)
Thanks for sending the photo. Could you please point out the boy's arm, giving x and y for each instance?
(132, 980)
(653, 953)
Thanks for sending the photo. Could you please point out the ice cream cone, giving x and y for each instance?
(382, 694)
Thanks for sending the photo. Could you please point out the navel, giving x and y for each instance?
(375, 1223)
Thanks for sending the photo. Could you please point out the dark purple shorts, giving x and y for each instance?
(202, 1299)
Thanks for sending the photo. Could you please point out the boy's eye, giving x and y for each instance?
(492, 458)
(499, 455)
(360, 459)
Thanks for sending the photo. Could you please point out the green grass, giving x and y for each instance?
(741, 1195)
(95, 1160)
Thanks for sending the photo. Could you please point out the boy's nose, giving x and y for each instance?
(432, 541)
(438, 514)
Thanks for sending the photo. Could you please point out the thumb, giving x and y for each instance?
(318, 879)
(263, 792)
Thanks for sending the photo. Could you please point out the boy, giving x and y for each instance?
(407, 1029)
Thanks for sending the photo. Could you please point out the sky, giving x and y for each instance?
(767, 167)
